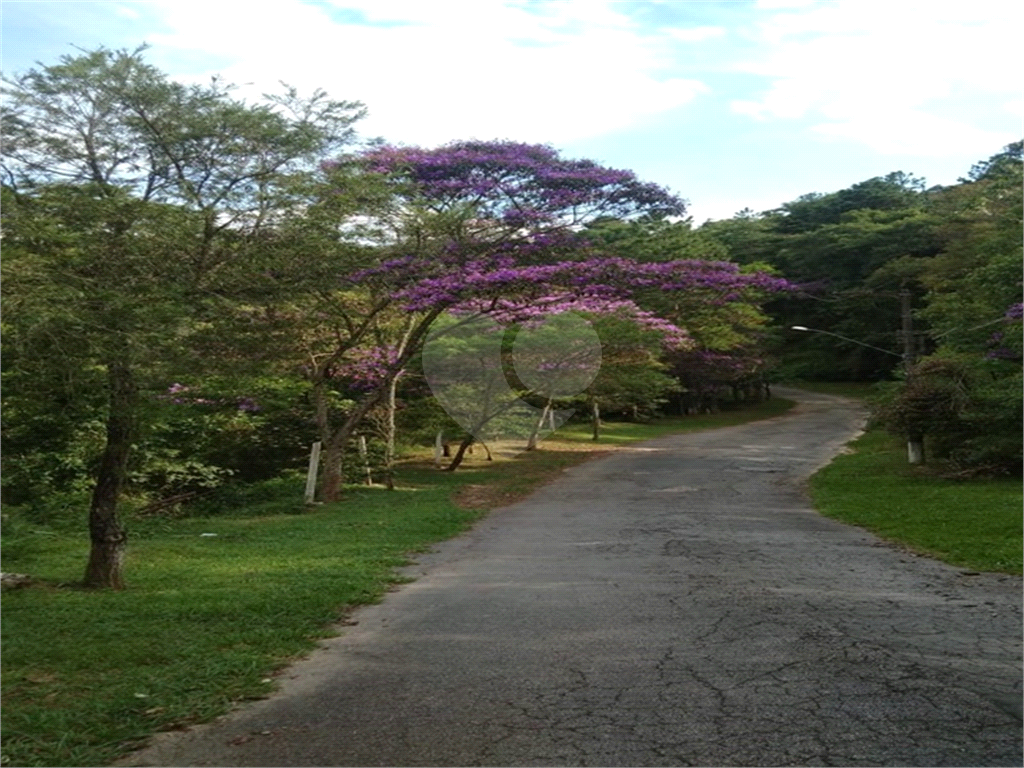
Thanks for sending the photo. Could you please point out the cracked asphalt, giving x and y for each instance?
(678, 603)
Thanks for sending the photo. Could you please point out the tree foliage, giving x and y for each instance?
(132, 201)
(956, 251)
(966, 396)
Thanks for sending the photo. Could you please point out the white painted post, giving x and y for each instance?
(915, 452)
(366, 459)
(314, 466)
(438, 448)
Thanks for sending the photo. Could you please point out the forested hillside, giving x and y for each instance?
(900, 281)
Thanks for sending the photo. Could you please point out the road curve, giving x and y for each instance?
(678, 603)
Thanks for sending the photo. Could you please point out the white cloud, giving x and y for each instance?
(879, 73)
(695, 34)
(1015, 107)
(912, 132)
(437, 71)
(771, 5)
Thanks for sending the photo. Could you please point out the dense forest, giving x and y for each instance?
(906, 283)
(197, 288)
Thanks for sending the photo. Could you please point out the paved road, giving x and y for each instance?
(676, 604)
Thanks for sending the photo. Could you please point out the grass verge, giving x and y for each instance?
(859, 390)
(975, 524)
(618, 433)
(216, 604)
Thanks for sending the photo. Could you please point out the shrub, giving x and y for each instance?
(969, 409)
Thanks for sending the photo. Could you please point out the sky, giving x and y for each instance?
(731, 105)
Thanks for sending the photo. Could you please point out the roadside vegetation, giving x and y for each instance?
(222, 595)
(973, 523)
(858, 390)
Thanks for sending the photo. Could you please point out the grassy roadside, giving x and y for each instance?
(625, 432)
(858, 390)
(974, 524)
(216, 604)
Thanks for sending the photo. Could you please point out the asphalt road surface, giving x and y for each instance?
(679, 603)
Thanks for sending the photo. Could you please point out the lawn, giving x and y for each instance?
(858, 390)
(215, 605)
(975, 523)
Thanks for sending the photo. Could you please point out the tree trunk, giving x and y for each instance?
(459, 454)
(915, 449)
(106, 535)
(335, 440)
(389, 436)
(531, 443)
(364, 454)
(389, 423)
(595, 419)
(333, 474)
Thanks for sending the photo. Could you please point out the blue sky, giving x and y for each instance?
(730, 104)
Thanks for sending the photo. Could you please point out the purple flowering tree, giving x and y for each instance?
(496, 228)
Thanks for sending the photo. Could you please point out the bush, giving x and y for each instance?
(277, 496)
(968, 408)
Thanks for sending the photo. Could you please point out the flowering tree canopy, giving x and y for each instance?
(498, 229)
(509, 236)
(517, 187)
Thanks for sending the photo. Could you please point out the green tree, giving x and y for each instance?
(655, 240)
(839, 247)
(632, 377)
(896, 191)
(977, 274)
(134, 201)
(748, 237)
(966, 396)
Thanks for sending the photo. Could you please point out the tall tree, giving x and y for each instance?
(136, 197)
(493, 227)
(965, 397)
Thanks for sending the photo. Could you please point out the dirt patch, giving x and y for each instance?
(537, 469)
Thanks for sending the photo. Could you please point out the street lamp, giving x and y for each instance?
(846, 338)
(915, 444)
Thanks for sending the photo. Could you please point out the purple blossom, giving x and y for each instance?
(366, 368)
(520, 254)
(706, 371)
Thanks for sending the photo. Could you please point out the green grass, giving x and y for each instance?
(619, 432)
(206, 620)
(975, 524)
(859, 390)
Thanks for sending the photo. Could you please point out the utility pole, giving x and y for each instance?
(915, 441)
(908, 330)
